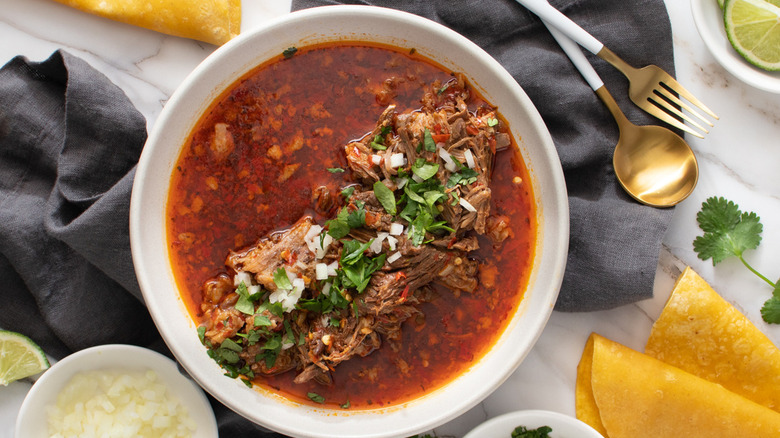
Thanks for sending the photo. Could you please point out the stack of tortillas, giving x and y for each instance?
(212, 21)
(707, 371)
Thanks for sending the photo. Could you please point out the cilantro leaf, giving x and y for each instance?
(770, 312)
(463, 177)
(289, 52)
(281, 280)
(522, 432)
(424, 169)
(385, 197)
(335, 170)
(730, 232)
(727, 231)
(313, 396)
(245, 303)
(428, 142)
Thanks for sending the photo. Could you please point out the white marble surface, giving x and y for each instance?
(738, 160)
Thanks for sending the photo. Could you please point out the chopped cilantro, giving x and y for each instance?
(347, 192)
(345, 405)
(289, 52)
(492, 122)
(430, 145)
(522, 432)
(281, 280)
(345, 221)
(728, 232)
(385, 197)
(262, 321)
(463, 177)
(313, 396)
(335, 170)
(245, 303)
(202, 334)
(424, 169)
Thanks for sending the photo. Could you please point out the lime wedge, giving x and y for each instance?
(753, 28)
(20, 357)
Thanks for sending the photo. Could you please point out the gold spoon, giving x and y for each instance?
(653, 164)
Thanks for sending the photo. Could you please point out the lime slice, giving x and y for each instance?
(20, 357)
(753, 28)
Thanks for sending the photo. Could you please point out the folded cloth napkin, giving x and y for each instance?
(69, 143)
(614, 242)
(70, 140)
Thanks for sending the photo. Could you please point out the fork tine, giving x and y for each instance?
(670, 83)
(674, 100)
(652, 109)
(666, 106)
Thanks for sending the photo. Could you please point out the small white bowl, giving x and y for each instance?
(563, 426)
(709, 21)
(32, 421)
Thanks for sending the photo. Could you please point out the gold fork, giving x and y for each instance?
(650, 87)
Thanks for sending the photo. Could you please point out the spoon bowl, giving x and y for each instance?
(653, 164)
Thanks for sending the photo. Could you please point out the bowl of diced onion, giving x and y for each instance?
(116, 391)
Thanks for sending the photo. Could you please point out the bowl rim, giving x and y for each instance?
(533, 418)
(713, 33)
(555, 226)
(114, 357)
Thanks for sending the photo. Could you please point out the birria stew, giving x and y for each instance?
(351, 226)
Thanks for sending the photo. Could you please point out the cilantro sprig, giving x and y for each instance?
(523, 432)
(729, 232)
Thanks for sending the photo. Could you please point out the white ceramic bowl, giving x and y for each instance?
(32, 420)
(709, 21)
(338, 23)
(563, 426)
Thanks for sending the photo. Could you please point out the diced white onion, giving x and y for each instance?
(417, 178)
(315, 230)
(449, 164)
(332, 267)
(376, 245)
(396, 229)
(391, 242)
(287, 344)
(467, 205)
(253, 289)
(321, 271)
(326, 289)
(469, 159)
(118, 402)
(397, 160)
(376, 159)
(394, 256)
(401, 182)
(242, 277)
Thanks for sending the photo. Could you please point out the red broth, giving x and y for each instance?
(290, 119)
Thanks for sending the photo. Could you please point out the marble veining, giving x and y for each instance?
(738, 160)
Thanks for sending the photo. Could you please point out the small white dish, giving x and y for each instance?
(563, 426)
(32, 421)
(709, 21)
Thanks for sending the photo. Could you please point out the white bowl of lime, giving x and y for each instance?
(709, 19)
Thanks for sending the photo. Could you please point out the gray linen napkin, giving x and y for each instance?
(69, 143)
(614, 241)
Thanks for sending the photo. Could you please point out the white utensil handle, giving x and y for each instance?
(554, 17)
(577, 57)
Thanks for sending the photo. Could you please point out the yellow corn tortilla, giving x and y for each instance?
(636, 395)
(212, 21)
(699, 332)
